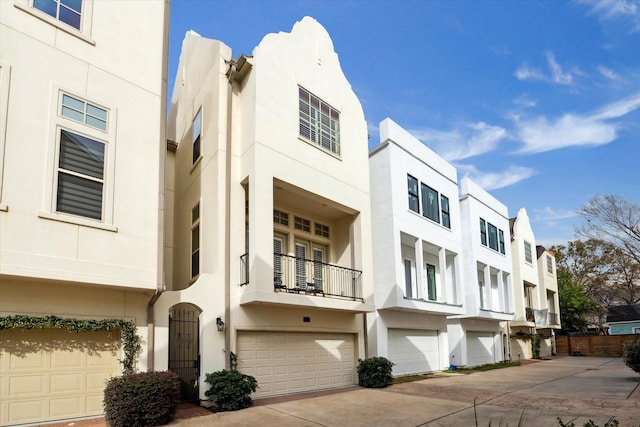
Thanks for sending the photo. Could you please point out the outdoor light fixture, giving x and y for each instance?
(220, 324)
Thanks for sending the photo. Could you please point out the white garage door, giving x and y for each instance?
(413, 351)
(480, 349)
(286, 362)
(52, 374)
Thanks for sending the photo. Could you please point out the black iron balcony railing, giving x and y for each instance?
(553, 319)
(306, 276)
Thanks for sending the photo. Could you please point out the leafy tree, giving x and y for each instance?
(574, 302)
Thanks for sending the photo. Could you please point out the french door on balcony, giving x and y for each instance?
(308, 265)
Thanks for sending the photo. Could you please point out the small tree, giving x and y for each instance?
(631, 355)
(230, 390)
(375, 372)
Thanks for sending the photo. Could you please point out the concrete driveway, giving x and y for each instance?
(572, 388)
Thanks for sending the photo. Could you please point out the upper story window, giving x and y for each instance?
(491, 236)
(83, 112)
(319, 122)
(414, 199)
(444, 204)
(67, 11)
(321, 230)
(195, 241)
(302, 224)
(430, 203)
(196, 132)
(280, 217)
(549, 264)
(527, 252)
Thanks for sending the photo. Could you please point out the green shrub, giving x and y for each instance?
(631, 355)
(230, 390)
(375, 372)
(141, 399)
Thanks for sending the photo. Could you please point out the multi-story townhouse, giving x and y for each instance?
(475, 338)
(549, 318)
(268, 244)
(82, 107)
(526, 286)
(418, 249)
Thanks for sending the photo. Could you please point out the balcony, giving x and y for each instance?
(309, 277)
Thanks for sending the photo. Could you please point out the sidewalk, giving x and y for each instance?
(572, 388)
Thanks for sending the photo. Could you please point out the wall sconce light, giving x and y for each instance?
(220, 324)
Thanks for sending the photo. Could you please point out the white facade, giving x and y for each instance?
(417, 236)
(81, 149)
(475, 338)
(283, 253)
(549, 316)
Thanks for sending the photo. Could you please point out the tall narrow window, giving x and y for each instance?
(501, 241)
(493, 237)
(80, 176)
(481, 290)
(483, 232)
(527, 252)
(196, 136)
(318, 268)
(430, 203)
(414, 201)
(549, 264)
(278, 245)
(195, 241)
(67, 11)
(408, 279)
(444, 208)
(319, 122)
(301, 268)
(431, 282)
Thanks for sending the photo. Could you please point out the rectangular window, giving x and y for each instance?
(408, 282)
(412, 186)
(67, 11)
(481, 290)
(493, 237)
(278, 245)
(483, 232)
(430, 203)
(195, 241)
(280, 217)
(319, 122)
(83, 112)
(549, 264)
(322, 230)
(444, 208)
(318, 268)
(527, 252)
(431, 282)
(196, 132)
(501, 241)
(80, 176)
(301, 270)
(302, 224)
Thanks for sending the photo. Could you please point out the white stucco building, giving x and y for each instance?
(417, 236)
(268, 215)
(82, 107)
(475, 338)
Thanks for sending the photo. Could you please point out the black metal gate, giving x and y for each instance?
(184, 354)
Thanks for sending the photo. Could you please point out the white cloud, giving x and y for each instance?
(556, 74)
(552, 214)
(542, 134)
(494, 180)
(617, 9)
(524, 101)
(468, 141)
(608, 73)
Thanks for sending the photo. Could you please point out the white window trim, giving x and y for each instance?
(86, 18)
(5, 79)
(58, 123)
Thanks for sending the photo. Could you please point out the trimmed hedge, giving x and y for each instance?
(141, 399)
(631, 355)
(230, 390)
(375, 372)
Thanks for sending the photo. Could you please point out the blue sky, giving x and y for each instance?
(537, 101)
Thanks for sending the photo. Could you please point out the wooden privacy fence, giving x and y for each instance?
(593, 345)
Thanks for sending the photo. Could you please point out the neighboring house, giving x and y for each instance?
(82, 107)
(535, 285)
(417, 238)
(268, 247)
(548, 318)
(475, 338)
(624, 319)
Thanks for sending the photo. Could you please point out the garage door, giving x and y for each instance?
(51, 374)
(480, 349)
(286, 363)
(413, 351)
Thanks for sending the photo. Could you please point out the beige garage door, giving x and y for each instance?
(413, 351)
(52, 374)
(286, 363)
